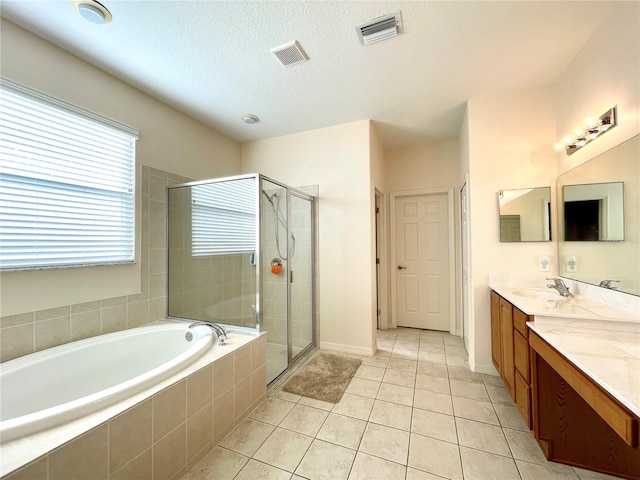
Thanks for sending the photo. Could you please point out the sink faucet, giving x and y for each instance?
(607, 284)
(221, 332)
(560, 287)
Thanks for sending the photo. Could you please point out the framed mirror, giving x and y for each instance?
(602, 247)
(525, 215)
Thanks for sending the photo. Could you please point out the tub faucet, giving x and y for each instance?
(221, 332)
(560, 287)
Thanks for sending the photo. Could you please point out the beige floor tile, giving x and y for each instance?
(254, 470)
(396, 394)
(432, 357)
(380, 361)
(436, 340)
(305, 420)
(399, 377)
(312, 402)
(362, 387)
(435, 425)
(326, 461)
(369, 372)
(341, 430)
(402, 364)
(549, 471)
(391, 415)
(436, 402)
(415, 474)
(247, 437)
(435, 456)
(464, 374)
(452, 340)
(367, 467)
(283, 449)
(458, 350)
(272, 411)
(524, 446)
(482, 436)
(478, 465)
(288, 396)
(433, 384)
(219, 463)
(408, 343)
(510, 417)
(499, 395)
(385, 442)
(404, 353)
(457, 361)
(493, 380)
(386, 343)
(475, 391)
(474, 410)
(433, 369)
(432, 347)
(354, 406)
(591, 475)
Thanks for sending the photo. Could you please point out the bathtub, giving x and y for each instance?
(54, 386)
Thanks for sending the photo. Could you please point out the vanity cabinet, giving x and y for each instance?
(510, 351)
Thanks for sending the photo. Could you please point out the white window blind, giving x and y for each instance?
(67, 180)
(223, 217)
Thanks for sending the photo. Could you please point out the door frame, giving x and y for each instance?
(452, 248)
(382, 319)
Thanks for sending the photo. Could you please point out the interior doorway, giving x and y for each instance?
(423, 275)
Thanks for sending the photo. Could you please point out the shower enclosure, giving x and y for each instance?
(241, 253)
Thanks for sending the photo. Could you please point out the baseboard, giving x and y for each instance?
(341, 347)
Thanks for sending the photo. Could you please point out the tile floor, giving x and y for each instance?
(412, 412)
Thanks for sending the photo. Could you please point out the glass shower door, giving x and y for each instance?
(301, 276)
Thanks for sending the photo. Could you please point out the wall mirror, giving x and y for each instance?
(602, 246)
(525, 215)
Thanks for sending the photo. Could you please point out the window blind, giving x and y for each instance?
(223, 217)
(67, 184)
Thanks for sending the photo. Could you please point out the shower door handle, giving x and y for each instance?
(401, 267)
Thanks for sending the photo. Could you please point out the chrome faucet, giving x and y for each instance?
(560, 287)
(220, 332)
(607, 284)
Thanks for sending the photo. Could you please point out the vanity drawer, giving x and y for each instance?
(520, 320)
(521, 356)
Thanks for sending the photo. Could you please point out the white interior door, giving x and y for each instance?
(422, 261)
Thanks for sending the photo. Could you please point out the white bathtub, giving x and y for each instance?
(54, 386)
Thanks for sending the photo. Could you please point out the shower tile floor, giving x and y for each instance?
(414, 411)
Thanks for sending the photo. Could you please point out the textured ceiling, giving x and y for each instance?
(211, 59)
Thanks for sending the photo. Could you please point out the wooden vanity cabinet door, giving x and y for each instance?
(496, 350)
(506, 343)
(523, 398)
(520, 320)
(521, 346)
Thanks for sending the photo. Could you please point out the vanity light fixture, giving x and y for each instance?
(589, 131)
(92, 11)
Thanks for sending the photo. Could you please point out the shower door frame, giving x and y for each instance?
(300, 194)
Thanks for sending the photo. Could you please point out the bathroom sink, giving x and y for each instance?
(542, 293)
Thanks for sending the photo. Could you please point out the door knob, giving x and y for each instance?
(401, 267)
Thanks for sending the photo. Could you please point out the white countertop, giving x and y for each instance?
(602, 340)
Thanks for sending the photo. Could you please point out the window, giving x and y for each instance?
(223, 217)
(67, 179)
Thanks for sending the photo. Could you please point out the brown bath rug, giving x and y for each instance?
(325, 377)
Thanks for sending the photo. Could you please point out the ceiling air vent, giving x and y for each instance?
(290, 54)
(379, 29)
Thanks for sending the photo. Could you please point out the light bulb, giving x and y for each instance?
(558, 147)
(591, 122)
(568, 140)
(578, 133)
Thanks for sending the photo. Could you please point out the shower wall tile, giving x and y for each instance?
(49, 333)
(16, 341)
(86, 324)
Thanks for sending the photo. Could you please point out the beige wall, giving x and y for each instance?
(510, 144)
(169, 141)
(337, 159)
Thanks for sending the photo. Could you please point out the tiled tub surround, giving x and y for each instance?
(34, 331)
(156, 434)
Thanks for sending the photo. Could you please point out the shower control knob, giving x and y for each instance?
(401, 267)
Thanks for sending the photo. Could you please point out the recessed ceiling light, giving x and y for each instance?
(249, 118)
(92, 11)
